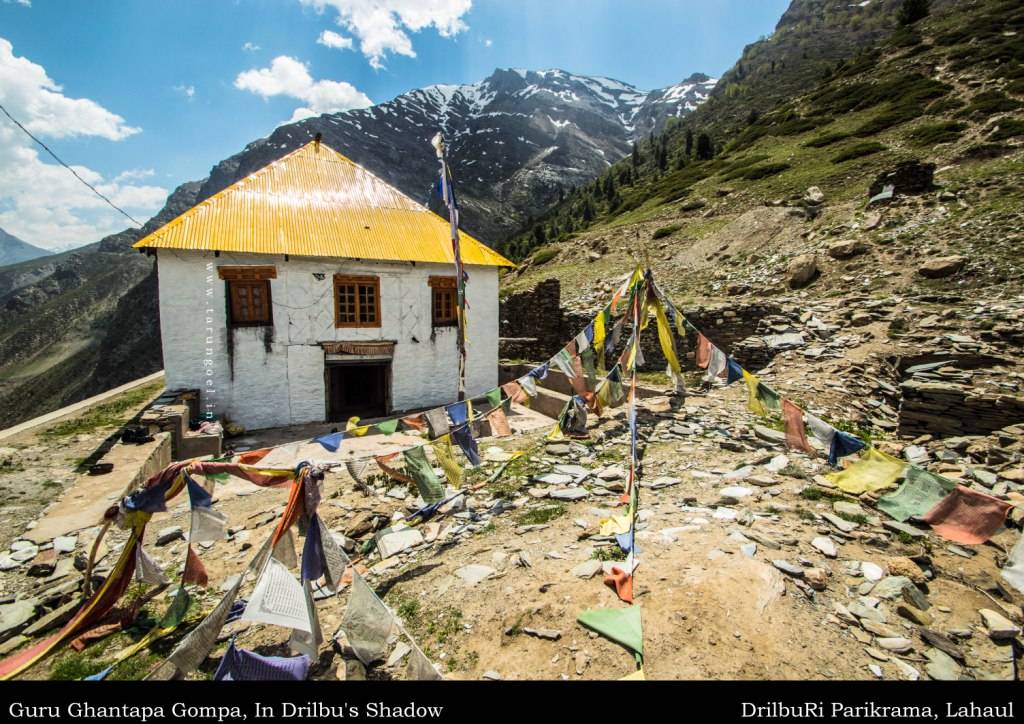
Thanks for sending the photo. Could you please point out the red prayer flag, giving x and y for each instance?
(195, 571)
(703, 353)
(793, 420)
(622, 582)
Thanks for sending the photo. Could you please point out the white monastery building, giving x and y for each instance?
(313, 291)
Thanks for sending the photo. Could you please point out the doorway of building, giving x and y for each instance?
(359, 390)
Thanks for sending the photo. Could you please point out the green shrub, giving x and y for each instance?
(989, 102)
(664, 231)
(768, 169)
(1007, 128)
(861, 148)
(543, 256)
(753, 173)
(944, 105)
(826, 140)
(935, 133)
(910, 89)
(894, 116)
(984, 151)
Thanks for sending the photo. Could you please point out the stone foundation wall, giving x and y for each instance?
(949, 410)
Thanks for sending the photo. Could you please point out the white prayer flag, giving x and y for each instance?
(147, 570)
(308, 643)
(284, 551)
(367, 622)
(278, 599)
(207, 525)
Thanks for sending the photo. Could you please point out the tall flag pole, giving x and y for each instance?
(447, 191)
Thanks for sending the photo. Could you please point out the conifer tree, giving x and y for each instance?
(705, 150)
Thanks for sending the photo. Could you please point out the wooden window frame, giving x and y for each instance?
(443, 286)
(250, 276)
(357, 281)
(233, 302)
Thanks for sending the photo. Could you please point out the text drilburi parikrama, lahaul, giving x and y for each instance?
(868, 709)
(222, 713)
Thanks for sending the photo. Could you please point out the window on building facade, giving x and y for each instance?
(444, 301)
(356, 301)
(248, 290)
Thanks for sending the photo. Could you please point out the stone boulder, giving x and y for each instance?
(909, 177)
(802, 270)
(847, 249)
(942, 266)
(814, 196)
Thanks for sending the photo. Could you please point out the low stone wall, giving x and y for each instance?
(949, 410)
(534, 314)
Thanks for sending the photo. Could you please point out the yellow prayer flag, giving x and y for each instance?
(637, 675)
(352, 427)
(445, 455)
(617, 524)
(754, 403)
(668, 346)
(874, 471)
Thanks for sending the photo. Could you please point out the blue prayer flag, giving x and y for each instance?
(331, 441)
(843, 444)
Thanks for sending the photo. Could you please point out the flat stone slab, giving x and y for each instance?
(587, 569)
(396, 541)
(910, 530)
(826, 546)
(568, 494)
(871, 571)
(13, 615)
(474, 573)
(999, 627)
(787, 567)
(843, 525)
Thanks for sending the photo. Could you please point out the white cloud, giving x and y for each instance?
(23, 3)
(250, 47)
(189, 91)
(381, 25)
(333, 40)
(40, 201)
(25, 87)
(488, 42)
(289, 77)
(134, 173)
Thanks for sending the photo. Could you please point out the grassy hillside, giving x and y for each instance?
(947, 89)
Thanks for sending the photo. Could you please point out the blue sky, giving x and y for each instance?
(147, 94)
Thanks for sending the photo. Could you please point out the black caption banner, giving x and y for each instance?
(479, 701)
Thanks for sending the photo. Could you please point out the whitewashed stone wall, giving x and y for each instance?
(270, 376)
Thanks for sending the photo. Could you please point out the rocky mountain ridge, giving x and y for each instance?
(14, 250)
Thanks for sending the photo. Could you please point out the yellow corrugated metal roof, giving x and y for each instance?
(316, 202)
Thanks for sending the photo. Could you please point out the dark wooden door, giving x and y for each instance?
(357, 390)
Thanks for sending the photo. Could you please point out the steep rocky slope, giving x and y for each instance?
(945, 92)
(14, 250)
(75, 324)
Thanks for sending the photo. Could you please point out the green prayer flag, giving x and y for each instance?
(388, 427)
(589, 360)
(920, 492)
(494, 397)
(621, 625)
(417, 465)
(768, 397)
(175, 613)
